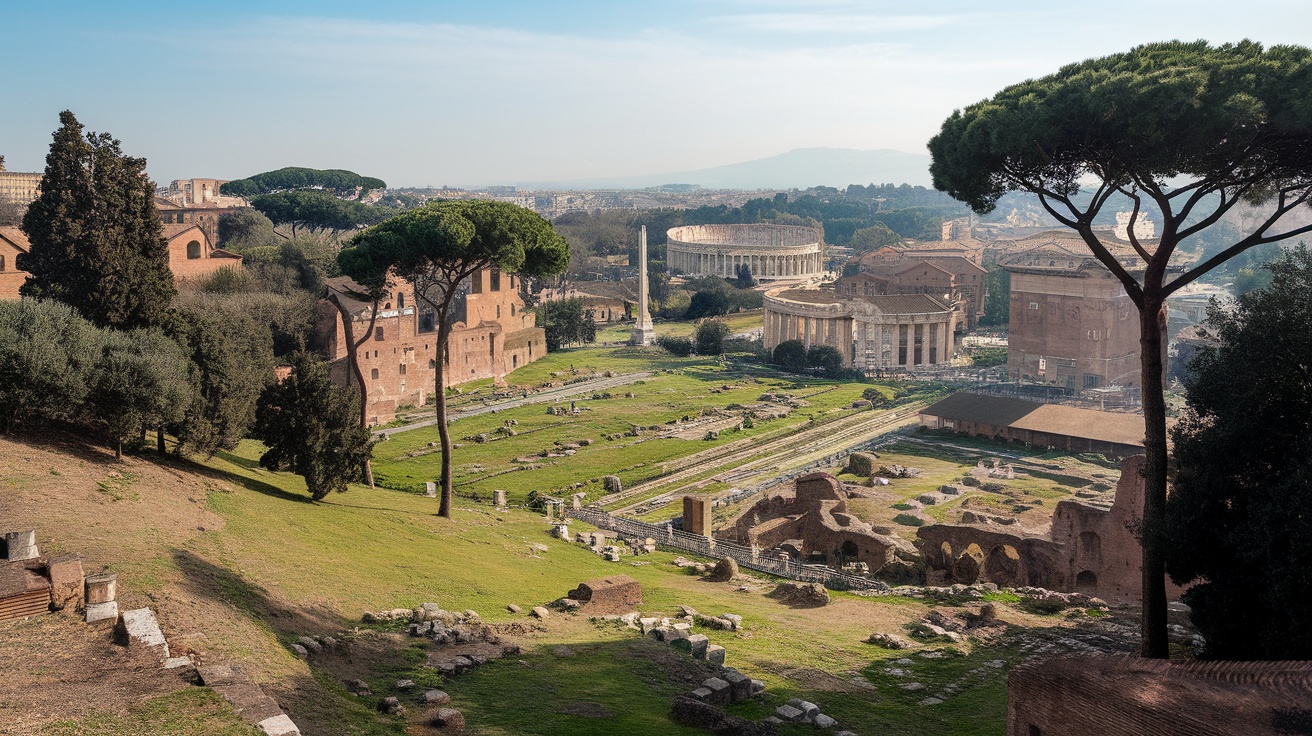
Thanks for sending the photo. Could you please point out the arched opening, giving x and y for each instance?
(848, 551)
(514, 361)
(1090, 547)
(193, 250)
(1003, 565)
(966, 568)
(1087, 583)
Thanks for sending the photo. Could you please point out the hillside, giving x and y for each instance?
(239, 563)
(796, 169)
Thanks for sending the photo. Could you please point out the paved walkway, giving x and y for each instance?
(574, 389)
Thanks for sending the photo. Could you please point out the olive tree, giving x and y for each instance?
(1186, 130)
(437, 248)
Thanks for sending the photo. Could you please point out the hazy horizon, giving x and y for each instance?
(458, 94)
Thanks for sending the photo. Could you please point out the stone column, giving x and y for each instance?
(644, 333)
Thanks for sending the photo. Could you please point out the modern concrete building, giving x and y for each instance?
(880, 332)
(771, 252)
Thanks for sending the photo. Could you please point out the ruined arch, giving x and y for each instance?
(967, 566)
(1086, 582)
(1002, 566)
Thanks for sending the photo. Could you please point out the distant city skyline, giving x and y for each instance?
(461, 94)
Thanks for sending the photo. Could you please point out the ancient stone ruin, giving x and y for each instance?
(614, 594)
(812, 522)
(31, 584)
(1090, 549)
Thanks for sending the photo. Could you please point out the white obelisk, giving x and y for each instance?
(643, 332)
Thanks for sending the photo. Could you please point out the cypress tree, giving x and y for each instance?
(97, 241)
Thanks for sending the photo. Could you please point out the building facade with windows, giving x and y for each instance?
(1071, 322)
(492, 335)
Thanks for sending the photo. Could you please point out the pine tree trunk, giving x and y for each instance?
(443, 432)
(1153, 621)
(159, 439)
(118, 449)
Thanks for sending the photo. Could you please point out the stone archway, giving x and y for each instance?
(967, 566)
(1087, 583)
(1002, 566)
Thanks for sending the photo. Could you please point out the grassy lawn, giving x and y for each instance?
(194, 712)
(738, 322)
(682, 387)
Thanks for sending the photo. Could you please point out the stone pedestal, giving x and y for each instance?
(499, 499)
(21, 545)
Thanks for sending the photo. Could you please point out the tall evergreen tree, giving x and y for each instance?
(97, 242)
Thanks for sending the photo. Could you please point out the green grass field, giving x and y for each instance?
(682, 387)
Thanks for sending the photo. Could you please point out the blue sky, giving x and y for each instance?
(421, 93)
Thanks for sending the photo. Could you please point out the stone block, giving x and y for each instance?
(721, 691)
(714, 654)
(138, 628)
(67, 583)
(697, 644)
(499, 499)
(702, 693)
(173, 663)
(758, 686)
(279, 725)
(734, 619)
(809, 710)
(449, 719)
(788, 713)
(102, 588)
(684, 629)
(430, 489)
(824, 721)
(740, 684)
(21, 545)
(540, 612)
(436, 697)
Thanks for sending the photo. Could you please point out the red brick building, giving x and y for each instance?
(943, 272)
(1071, 324)
(491, 336)
(13, 241)
(192, 255)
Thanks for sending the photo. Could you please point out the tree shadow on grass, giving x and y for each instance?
(250, 484)
(208, 580)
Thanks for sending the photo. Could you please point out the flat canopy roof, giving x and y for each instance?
(1003, 411)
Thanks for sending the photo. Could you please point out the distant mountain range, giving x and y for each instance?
(800, 168)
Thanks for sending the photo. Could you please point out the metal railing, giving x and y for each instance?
(748, 557)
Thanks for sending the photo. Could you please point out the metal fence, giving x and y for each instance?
(748, 557)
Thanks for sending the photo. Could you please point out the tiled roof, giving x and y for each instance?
(1070, 421)
(16, 236)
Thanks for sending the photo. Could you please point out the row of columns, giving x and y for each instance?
(764, 266)
(872, 339)
(863, 344)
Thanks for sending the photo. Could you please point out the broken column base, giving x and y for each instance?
(102, 612)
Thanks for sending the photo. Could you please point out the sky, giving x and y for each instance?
(498, 92)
